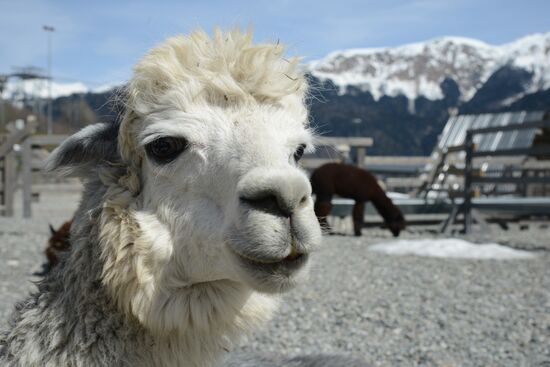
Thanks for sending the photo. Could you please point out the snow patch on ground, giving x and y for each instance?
(397, 195)
(449, 248)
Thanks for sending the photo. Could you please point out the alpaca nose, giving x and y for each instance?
(272, 202)
(280, 193)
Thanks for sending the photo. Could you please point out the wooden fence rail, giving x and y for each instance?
(28, 165)
(11, 167)
(17, 136)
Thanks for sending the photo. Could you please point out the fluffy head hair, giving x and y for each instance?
(197, 71)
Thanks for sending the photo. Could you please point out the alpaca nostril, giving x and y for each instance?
(267, 202)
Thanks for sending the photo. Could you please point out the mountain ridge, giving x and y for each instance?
(417, 69)
(414, 89)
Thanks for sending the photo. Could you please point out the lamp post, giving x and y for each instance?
(3, 81)
(49, 30)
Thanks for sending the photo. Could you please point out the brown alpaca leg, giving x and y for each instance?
(358, 216)
(322, 210)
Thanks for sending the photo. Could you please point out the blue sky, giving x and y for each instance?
(97, 42)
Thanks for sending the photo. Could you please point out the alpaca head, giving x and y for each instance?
(209, 146)
(396, 223)
(58, 242)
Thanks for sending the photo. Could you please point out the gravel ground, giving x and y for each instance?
(387, 310)
(22, 242)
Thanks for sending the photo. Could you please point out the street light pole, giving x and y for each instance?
(3, 81)
(49, 30)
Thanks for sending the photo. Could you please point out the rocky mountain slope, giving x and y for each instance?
(417, 70)
(402, 96)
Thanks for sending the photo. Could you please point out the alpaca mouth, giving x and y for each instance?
(294, 258)
(281, 267)
(286, 266)
(274, 262)
(294, 255)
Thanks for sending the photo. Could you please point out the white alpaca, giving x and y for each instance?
(194, 216)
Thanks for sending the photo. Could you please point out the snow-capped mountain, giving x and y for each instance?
(39, 88)
(418, 69)
(411, 70)
(401, 96)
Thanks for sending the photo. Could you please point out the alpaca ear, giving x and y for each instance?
(52, 229)
(84, 151)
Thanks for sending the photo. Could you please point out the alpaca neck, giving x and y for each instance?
(207, 344)
(383, 204)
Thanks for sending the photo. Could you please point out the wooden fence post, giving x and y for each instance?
(361, 153)
(26, 175)
(8, 183)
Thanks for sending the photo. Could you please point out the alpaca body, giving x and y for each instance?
(350, 182)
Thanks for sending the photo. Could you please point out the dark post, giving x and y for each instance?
(467, 205)
(26, 173)
(361, 152)
(9, 182)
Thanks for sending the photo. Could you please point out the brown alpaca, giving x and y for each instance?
(58, 242)
(350, 182)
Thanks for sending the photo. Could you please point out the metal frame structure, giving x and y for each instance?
(468, 208)
(448, 157)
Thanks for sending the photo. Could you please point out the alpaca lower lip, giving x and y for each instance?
(291, 262)
(273, 277)
(293, 256)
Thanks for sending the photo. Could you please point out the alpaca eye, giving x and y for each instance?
(165, 150)
(299, 152)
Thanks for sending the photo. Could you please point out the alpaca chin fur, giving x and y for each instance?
(150, 279)
(134, 272)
